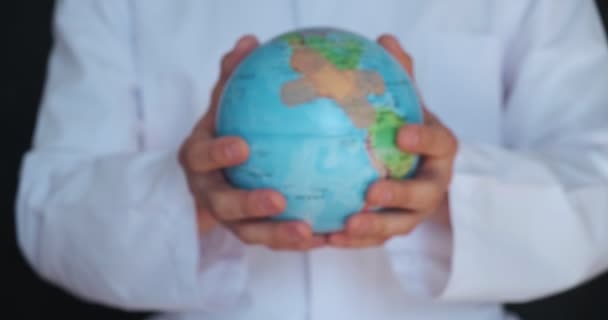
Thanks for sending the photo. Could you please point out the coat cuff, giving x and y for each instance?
(219, 263)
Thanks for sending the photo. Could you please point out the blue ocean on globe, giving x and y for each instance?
(320, 109)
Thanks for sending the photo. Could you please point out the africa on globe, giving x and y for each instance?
(319, 109)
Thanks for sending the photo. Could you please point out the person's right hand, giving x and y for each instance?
(203, 157)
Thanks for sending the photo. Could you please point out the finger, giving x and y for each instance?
(381, 225)
(391, 44)
(229, 62)
(278, 235)
(229, 204)
(241, 49)
(205, 220)
(430, 118)
(345, 241)
(207, 154)
(429, 140)
(439, 170)
(414, 195)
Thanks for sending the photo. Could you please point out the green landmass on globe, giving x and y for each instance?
(382, 136)
(330, 69)
(344, 54)
(320, 109)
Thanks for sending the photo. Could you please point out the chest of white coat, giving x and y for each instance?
(179, 48)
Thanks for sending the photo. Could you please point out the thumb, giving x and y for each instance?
(230, 61)
(391, 44)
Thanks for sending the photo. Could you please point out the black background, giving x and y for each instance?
(27, 41)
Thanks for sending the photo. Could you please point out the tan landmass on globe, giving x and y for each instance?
(320, 78)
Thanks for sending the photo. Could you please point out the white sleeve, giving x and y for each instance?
(529, 218)
(96, 214)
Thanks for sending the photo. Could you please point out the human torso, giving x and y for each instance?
(458, 58)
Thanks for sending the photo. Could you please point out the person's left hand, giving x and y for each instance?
(409, 202)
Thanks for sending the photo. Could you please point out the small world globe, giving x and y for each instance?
(320, 109)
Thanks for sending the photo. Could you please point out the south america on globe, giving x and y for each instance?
(320, 109)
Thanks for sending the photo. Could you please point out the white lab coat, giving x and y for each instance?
(104, 211)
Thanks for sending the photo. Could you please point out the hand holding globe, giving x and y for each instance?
(333, 128)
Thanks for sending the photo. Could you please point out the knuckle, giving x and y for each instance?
(202, 208)
(190, 155)
(215, 154)
(226, 207)
(452, 142)
(433, 202)
(403, 193)
(433, 190)
(216, 202)
(197, 184)
(201, 156)
(381, 227)
(251, 203)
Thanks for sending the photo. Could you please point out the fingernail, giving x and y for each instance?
(232, 151)
(410, 138)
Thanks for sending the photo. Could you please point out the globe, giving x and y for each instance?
(319, 109)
